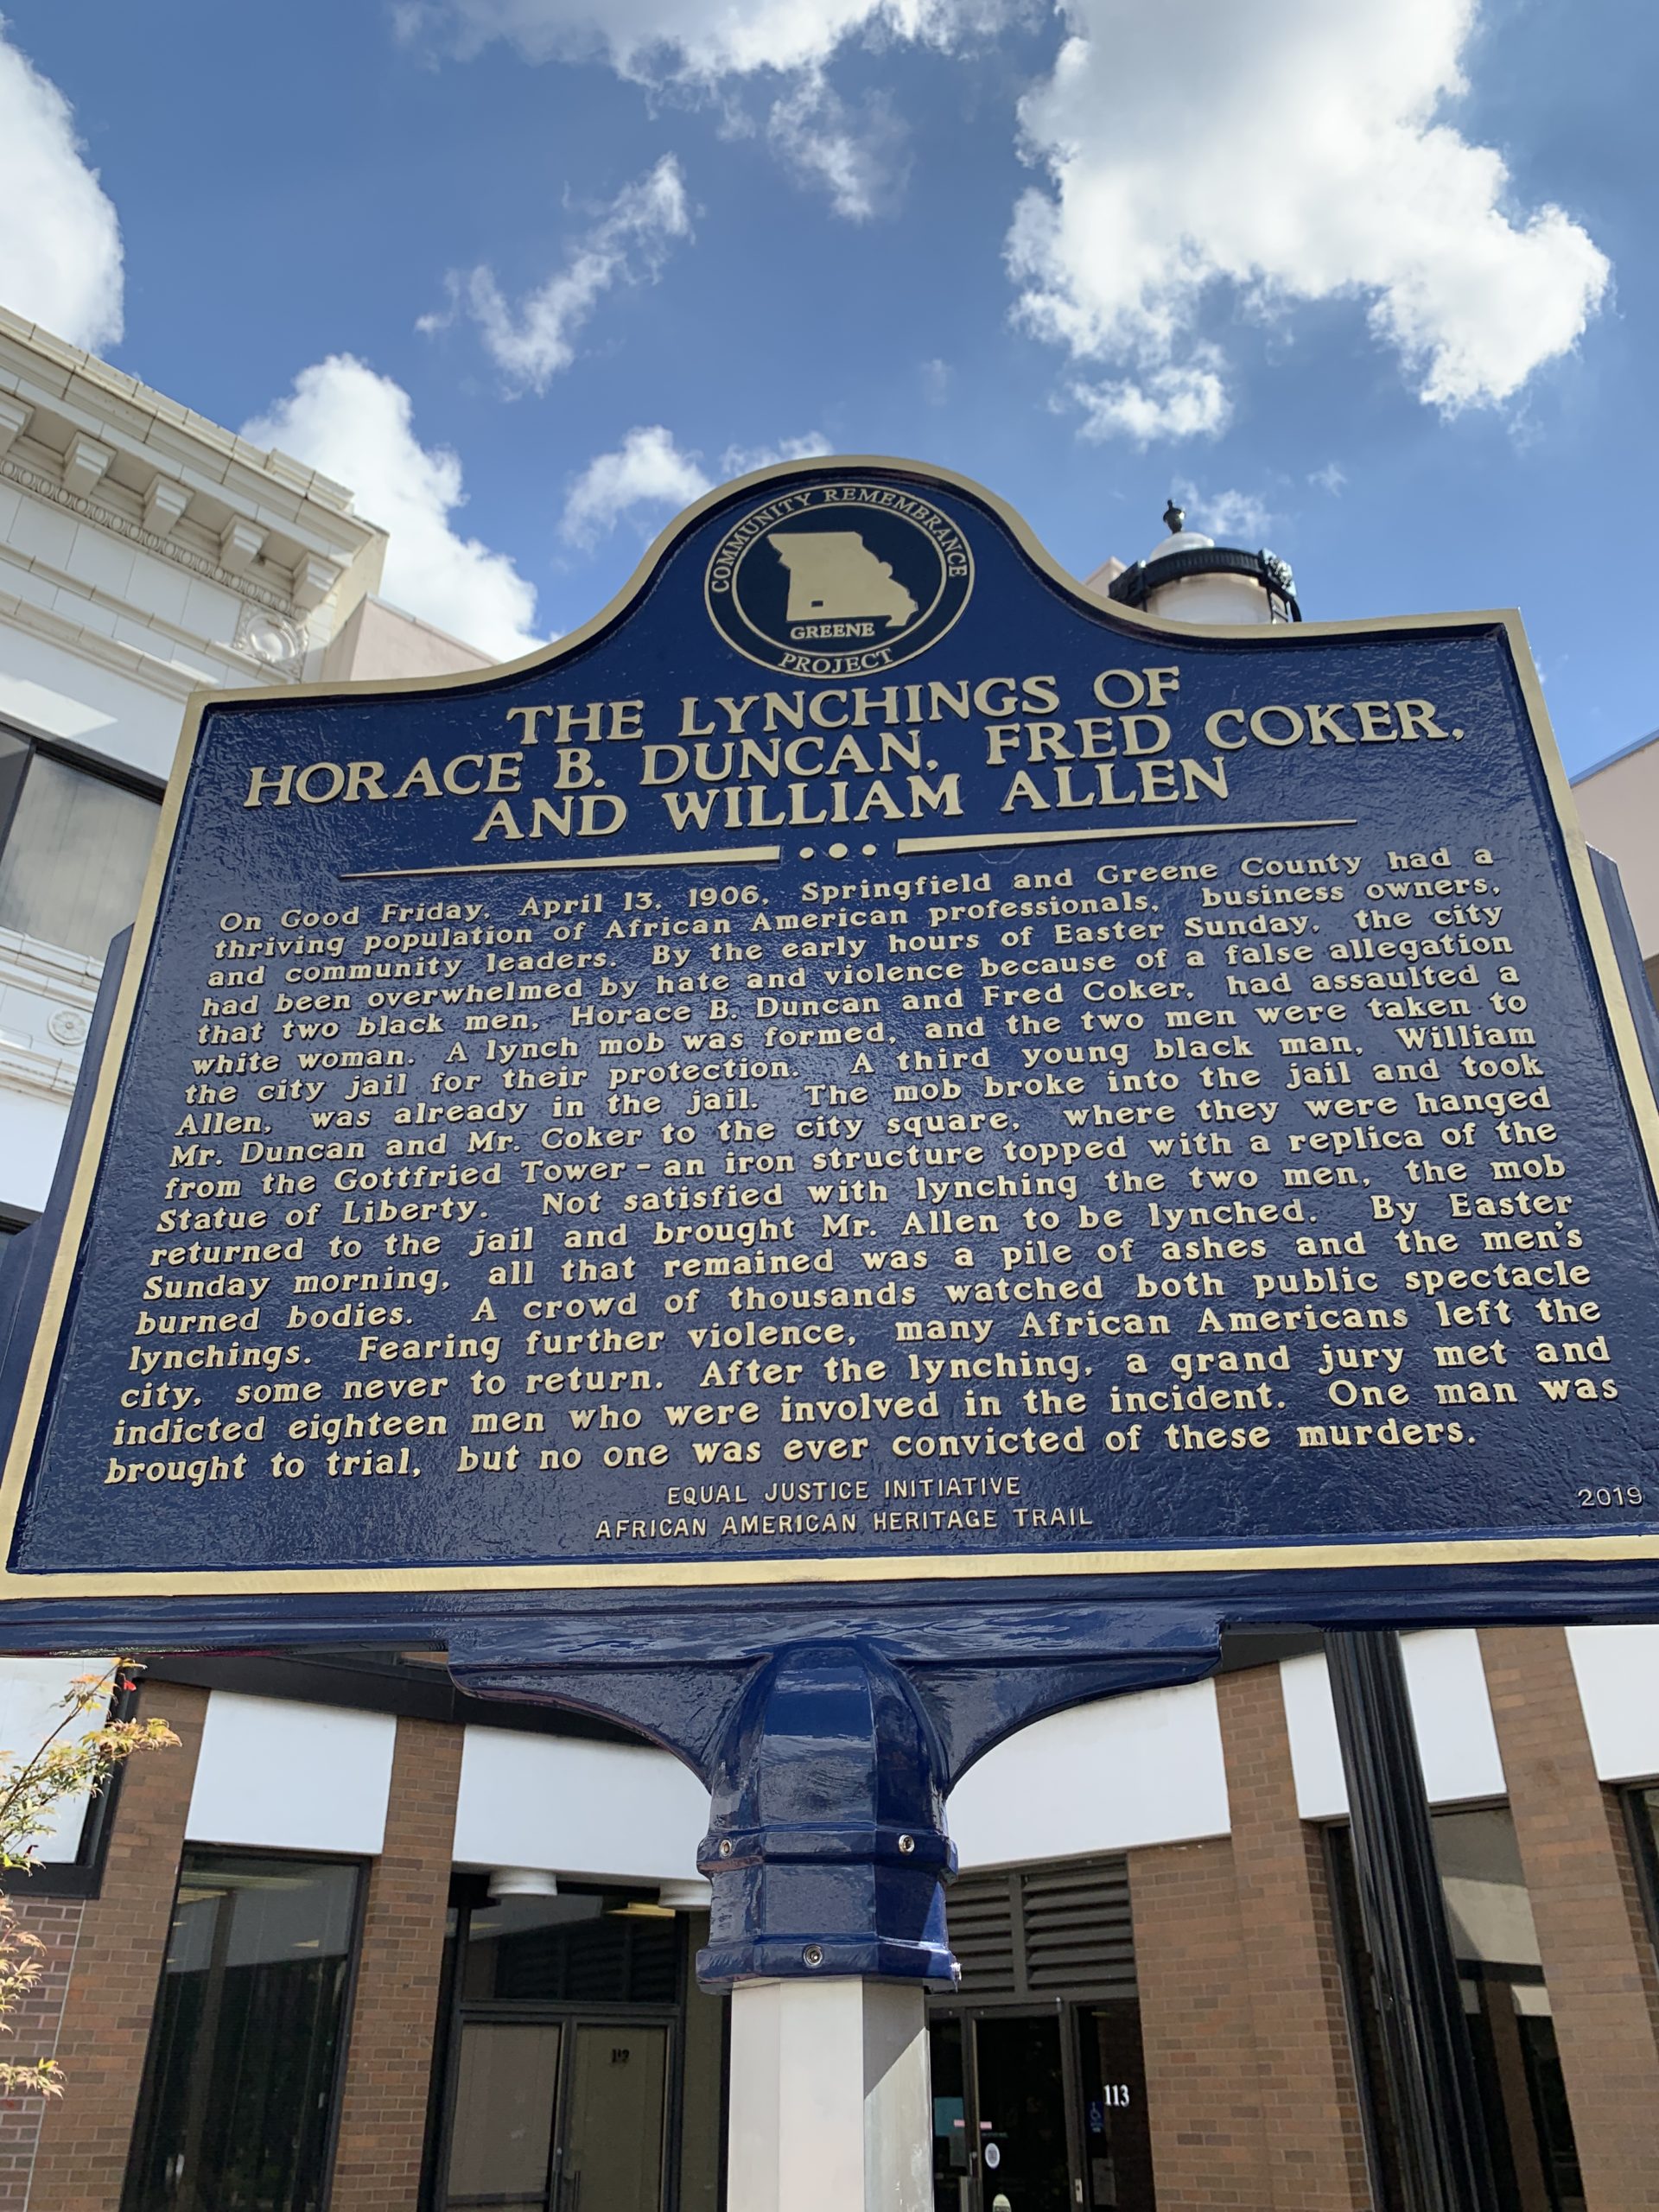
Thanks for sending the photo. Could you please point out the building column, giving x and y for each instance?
(394, 2014)
(1596, 1953)
(85, 2134)
(1204, 2093)
(1315, 2138)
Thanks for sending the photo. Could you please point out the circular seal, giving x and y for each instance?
(836, 579)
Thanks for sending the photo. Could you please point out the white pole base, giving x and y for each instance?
(831, 2102)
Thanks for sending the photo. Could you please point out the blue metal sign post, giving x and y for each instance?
(865, 1148)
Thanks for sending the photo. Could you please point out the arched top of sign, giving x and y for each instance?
(892, 520)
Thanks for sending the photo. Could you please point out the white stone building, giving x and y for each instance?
(143, 551)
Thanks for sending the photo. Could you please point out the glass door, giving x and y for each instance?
(614, 2134)
(553, 2116)
(506, 2093)
(953, 2166)
(1024, 2159)
(1117, 2142)
(610, 2159)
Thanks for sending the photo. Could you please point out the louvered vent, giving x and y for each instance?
(1044, 1931)
(1077, 1931)
(979, 1910)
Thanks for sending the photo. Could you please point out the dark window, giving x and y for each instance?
(1642, 1805)
(77, 835)
(571, 1950)
(239, 2088)
(1523, 2098)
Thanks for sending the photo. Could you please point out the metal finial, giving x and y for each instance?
(1174, 519)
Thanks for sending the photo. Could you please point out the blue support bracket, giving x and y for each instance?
(830, 1735)
(826, 1848)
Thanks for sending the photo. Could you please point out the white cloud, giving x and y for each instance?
(694, 41)
(357, 426)
(60, 241)
(1329, 479)
(855, 155)
(738, 461)
(936, 381)
(1238, 517)
(627, 245)
(1185, 401)
(1301, 153)
(647, 470)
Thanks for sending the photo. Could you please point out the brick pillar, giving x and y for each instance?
(1597, 1954)
(85, 2134)
(1203, 2105)
(38, 2024)
(394, 2017)
(1316, 2150)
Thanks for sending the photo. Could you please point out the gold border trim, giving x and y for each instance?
(768, 1573)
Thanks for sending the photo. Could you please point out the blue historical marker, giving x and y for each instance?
(866, 1148)
(864, 1065)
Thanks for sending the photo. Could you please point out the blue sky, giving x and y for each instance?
(1370, 281)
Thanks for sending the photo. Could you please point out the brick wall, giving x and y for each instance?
(389, 2058)
(85, 2134)
(1597, 1958)
(1203, 2090)
(37, 2022)
(1316, 2152)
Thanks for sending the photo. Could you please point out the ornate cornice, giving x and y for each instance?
(244, 587)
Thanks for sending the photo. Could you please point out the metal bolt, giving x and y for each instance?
(812, 1956)
(907, 1845)
(726, 1846)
